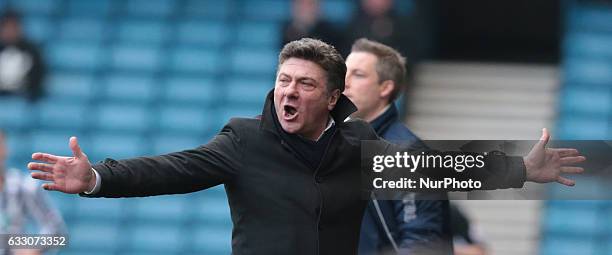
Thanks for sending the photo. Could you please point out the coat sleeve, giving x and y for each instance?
(181, 172)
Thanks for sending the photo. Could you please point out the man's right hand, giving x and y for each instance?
(71, 175)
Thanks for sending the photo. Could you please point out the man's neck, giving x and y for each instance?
(328, 124)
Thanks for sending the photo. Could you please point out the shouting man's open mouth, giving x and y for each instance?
(289, 112)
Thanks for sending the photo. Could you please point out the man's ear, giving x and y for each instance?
(333, 99)
(386, 88)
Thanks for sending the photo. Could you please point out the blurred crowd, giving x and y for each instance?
(376, 20)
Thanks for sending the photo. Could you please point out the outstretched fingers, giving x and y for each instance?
(40, 167)
(42, 176)
(572, 160)
(49, 158)
(566, 152)
(51, 186)
(572, 170)
(566, 181)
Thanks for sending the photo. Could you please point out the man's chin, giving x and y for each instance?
(290, 128)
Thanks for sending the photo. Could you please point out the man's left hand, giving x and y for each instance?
(547, 164)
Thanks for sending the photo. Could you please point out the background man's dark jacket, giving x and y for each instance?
(31, 83)
(279, 205)
(413, 224)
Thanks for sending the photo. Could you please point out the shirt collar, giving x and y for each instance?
(330, 123)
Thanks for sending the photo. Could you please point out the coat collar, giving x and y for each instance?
(385, 119)
(344, 108)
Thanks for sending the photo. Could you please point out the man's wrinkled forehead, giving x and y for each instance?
(300, 68)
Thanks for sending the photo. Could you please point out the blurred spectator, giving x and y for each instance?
(377, 21)
(306, 22)
(415, 223)
(21, 65)
(20, 197)
(465, 238)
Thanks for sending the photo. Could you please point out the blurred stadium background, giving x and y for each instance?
(140, 77)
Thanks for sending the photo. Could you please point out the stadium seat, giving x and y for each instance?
(212, 210)
(65, 204)
(130, 88)
(580, 127)
(38, 27)
(588, 71)
(140, 58)
(86, 29)
(37, 7)
(157, 238)
(250, 92)
(595, 19)
(55, 141)
(71, 87)
(186, 120)
(206, 239)
(259, 34)
(20, 150)
(588, 45)
(97, 8)
(585, 221)
(203, 91)
(195, 61)
(142, 31)
(276, 10)
(161, 209)
(123, 117)
(198, 32)
(588, 101)
(158, 9)
(62, 115)
(110, 211)
(117, 146)
(95, 236)
(75, 56)
(207, 8)
(253, 61)
(560, 245)
(14, 113)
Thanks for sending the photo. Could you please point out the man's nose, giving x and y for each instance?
(291, 91)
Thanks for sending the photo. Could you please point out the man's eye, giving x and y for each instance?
(308, 86)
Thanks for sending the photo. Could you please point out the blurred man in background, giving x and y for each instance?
(20, 198)
(377, 20)
(21, 64)
(306, 21)
(414, 225)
